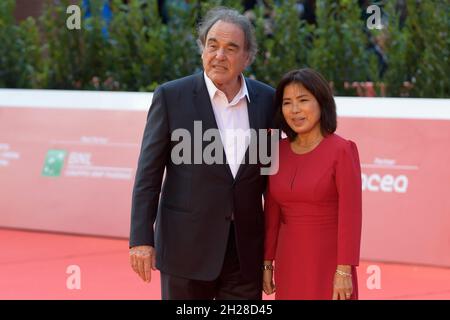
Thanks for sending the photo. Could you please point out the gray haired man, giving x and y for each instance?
(209, 233)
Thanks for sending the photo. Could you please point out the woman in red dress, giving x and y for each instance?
(313, 203)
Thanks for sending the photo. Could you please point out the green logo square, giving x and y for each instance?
(54, 162)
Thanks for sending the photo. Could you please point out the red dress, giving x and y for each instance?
(313, 218)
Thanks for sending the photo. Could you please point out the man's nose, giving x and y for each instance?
(220, 55)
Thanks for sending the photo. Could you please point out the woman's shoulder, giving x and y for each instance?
(284, 145)
(341, 144)
(284, 142)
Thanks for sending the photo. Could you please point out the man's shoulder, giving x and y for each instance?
(260, 87)
(182, 83)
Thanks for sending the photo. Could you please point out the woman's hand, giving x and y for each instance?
(343, 284)
(268, 285)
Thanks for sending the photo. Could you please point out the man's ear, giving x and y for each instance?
(247, 60)
(203, 52)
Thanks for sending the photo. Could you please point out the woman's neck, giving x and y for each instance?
(306, 142)
(309, 139)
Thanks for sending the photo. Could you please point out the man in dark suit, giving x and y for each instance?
(208, 238)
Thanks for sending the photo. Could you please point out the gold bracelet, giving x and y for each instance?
(342, 273)
(267, 267)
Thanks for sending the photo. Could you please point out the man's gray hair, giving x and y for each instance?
(231, 16)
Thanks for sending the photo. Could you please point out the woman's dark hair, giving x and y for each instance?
(315, 83)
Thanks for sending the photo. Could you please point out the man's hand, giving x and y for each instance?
(143, 260)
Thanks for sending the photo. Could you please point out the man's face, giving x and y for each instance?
(224, 56)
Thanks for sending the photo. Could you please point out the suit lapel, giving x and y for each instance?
(253, 117)
(203, 104)
(205, 111)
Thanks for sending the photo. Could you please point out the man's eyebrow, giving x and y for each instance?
(231, 44)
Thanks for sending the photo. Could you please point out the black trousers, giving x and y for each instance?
(230, 285)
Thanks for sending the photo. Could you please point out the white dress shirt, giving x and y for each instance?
(232, 121)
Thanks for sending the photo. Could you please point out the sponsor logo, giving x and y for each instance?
(384, 183)
(7, 155)
(54, 162)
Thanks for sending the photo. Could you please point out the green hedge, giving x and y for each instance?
(141, 52)
(20, 53)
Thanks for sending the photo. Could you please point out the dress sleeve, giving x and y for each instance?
(348, 183)
(272, 214)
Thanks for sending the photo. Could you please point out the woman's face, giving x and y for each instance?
(300, 109)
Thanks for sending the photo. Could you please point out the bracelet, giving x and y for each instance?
(140, 252)
(342, 273)
(267, 267)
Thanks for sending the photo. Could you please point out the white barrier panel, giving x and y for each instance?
(68, 159)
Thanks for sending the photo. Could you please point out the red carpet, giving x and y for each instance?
(33, 266)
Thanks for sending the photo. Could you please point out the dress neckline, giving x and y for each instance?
(306, 153)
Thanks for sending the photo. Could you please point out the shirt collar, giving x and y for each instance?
(212, 89)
